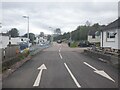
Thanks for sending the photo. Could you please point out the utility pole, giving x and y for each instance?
(52, 35)
(28, 29)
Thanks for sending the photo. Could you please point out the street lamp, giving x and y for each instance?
(0, 25)
(52, 35)
(28, 29)
(70, 36)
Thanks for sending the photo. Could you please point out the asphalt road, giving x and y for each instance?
(63, 67)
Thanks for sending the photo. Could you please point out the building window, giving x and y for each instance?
(107, 34)
(9, 43)
(110, 36)
(21, 39)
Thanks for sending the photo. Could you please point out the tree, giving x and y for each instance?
(81, 32)
(13, 32)
(58, 31)
(31, 37)
(41, 34)
(88, 23)
(48, 37)
(96, 25)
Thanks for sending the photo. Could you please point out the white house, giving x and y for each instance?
(93, 36)
(5, 40)
(110, 35)
(18, 40)
(41, 40)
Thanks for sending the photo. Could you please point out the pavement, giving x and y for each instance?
(62, 67)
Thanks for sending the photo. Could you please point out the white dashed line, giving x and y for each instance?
(59, 51)
(60, 56)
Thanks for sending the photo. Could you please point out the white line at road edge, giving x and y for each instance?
(60, 56)
(76, 82)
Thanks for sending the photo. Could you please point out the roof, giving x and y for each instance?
(4, 34)
(92, 31)
(114, 25)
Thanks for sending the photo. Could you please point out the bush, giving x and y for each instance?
(7, 64)
(26, 52)
(74, 44)
(97, 44)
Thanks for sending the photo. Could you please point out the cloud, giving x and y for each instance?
(64, 15)
(60, 0)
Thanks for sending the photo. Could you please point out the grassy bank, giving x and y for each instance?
(74, 44)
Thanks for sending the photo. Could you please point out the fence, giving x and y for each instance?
(9, 52)
(9, 56)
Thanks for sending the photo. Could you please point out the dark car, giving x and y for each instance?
(23, 46)
(84, 44)
(59, 41)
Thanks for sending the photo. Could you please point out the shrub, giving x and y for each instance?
(74, 44)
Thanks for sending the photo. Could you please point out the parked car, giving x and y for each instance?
(84, 44)
(59, 41)
(23, 46)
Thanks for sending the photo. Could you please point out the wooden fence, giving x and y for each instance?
(9, 52)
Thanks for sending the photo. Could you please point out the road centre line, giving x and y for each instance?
(60, 56)
(59, 50)
(76, 82)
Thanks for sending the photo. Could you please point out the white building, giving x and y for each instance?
(94, 36)
(5, 40)
(41, 40)
(18, 40)
(110, 35)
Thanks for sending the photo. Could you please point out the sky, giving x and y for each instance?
(66, 15)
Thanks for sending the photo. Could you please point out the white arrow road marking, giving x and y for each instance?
(100, 72)
(60, 56)
(37, 81)
(76, 82)
(90, 66)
